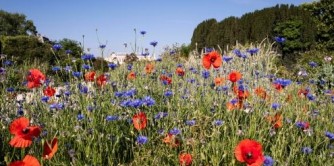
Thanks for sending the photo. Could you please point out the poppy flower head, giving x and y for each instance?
(35, 78)
(49, 91)
(219, 81)
(132, 76)
(27, 161)
(23, 133)
(165, 79)
(249, 151)
(101, 80)
(90, 76)
(276, 120)
(172, 140)
(234, 76)
(149, 68)
(185, 159)
(50, 148)
(179, 71)
(139, 121)
(212, 59)
(260, 92)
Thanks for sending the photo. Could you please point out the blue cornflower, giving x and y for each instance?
(8, 63)
(56, 47)
(282, 82)
(172, 52)
(234, 101)
(311, 97)
(45, 98)
(275, 106)
(130, 93)
(218, 122)
(227, 58)
(80, 116)
(190, 122)
(83, 89)
(57, 106)
(112, 118)
(119, 94)
(10, 89)
(160, 115)
(208, 49)
(67, 93)
(205, 74)
(268, 161)
(143, 32)
(68, 51)
(302, 125)
(154, 43)
(158, 59)
(175, 131)
(329, 135)
(86, 66)
(253, 51)
(87, 57)
(56, 68)
(129, 67)
(125, 103)
(142, 140)
(20, 111)
(68, 68)
(112, 66)
(102, 46)
(77, 74)
(136, 103)
(2, 71)
(148, 101)
(91, 108)
(168, 93)
(313, 64)
(306, 150)
(280, 39)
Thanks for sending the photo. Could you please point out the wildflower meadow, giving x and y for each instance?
(225, 107)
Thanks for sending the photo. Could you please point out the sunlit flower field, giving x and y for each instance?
(226, 107)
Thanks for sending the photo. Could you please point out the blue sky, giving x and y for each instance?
(113, 21)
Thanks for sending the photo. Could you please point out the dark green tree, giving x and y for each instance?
(12, 24)
(323, 14)
(73, 46)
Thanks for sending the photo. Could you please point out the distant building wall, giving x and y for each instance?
(120, 57)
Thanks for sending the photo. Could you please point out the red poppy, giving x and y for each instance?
(149, 68)
(172, 140)
(101, 80)
(132, 76)
(90, 76)
(27, 161)
(241, 94)
(139, 121)
(260, 92)
(219, 81)
(35, 78)
(23, 133)
(50, 148)
(249, 151)
(213, 58)
(232, 106)
(276, 120)
(278, 87)
(303, 92)
(165, 79)
(179, 71)
(185, 159)
(234, 76)
(49, 91)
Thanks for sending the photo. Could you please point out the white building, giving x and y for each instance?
(120, 57)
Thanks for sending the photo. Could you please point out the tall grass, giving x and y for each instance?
(86, 137)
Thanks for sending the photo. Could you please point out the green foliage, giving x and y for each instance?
(72, 45)
(184, 50)
(255, 26)
(26, 49)
(323, 14)
(12, 24)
